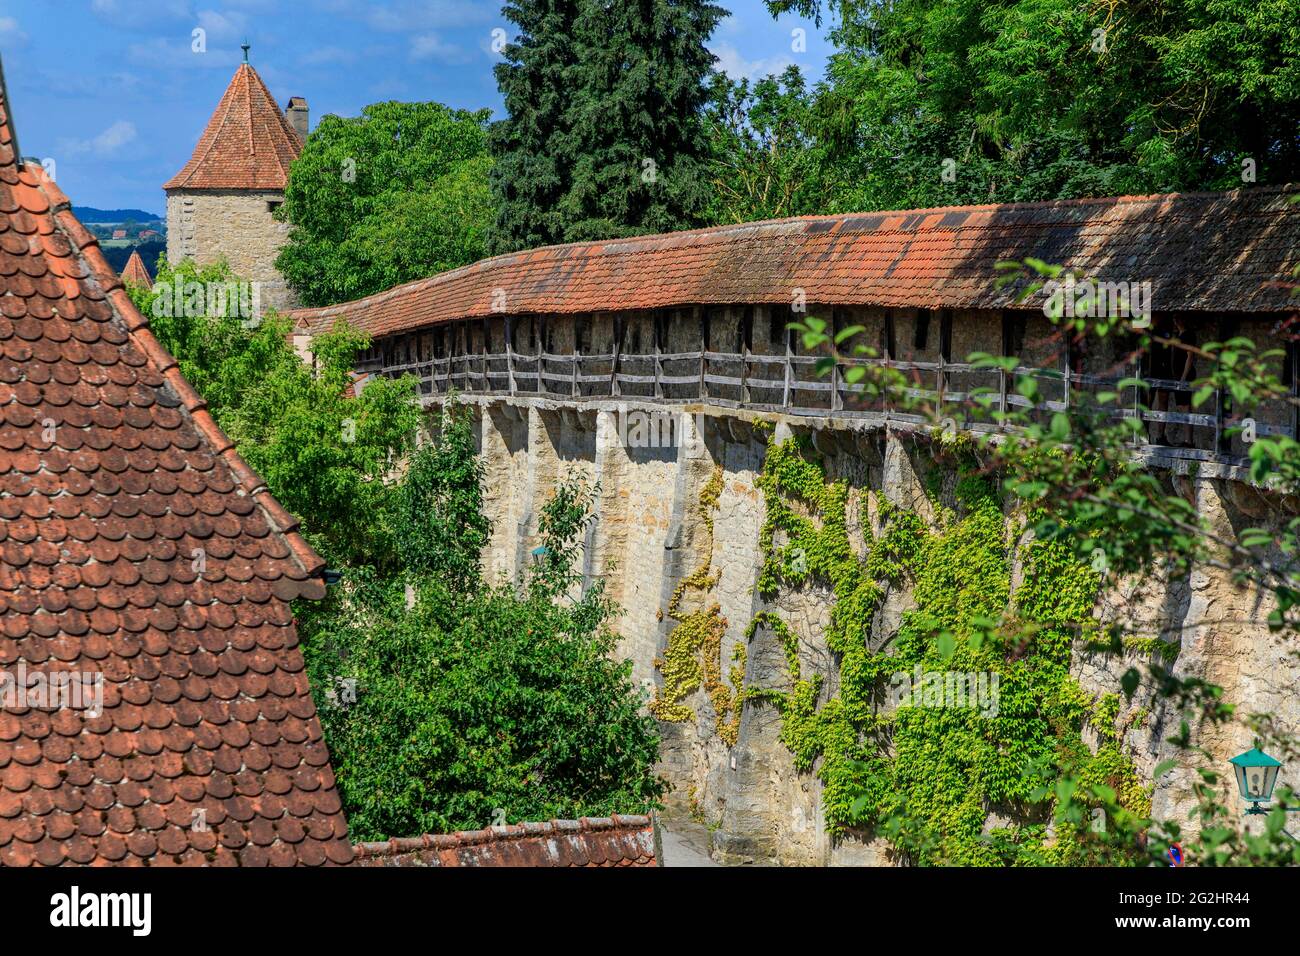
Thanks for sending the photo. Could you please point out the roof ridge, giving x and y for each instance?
(591, 248)
(139, 505)
(236, 149)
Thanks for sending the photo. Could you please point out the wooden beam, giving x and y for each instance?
(836, 402)
(1293, 356)
(789, 366)
(539, 323)
(656, 323)
(1003, 375)
(746, 339)
(1223, 401)
(702, 323)
(577, 354)
(510, 354)
(945, 352)
(614, 390)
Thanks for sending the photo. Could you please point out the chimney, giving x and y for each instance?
(297, 114)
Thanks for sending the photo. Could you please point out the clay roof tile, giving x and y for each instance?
(135, 271)
(1200, 251)
(248, 142)
(81, 596)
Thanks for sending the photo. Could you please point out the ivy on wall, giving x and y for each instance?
(693, 656)
(933, 779)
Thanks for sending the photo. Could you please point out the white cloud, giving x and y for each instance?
(114, 138)
(9, 30)
(737, 67)
(731, 26)
(106, 144)
(223, 26)
(430, 46)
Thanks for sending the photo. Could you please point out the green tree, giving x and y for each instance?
(531, 146)
(1045, 99)
(439, 526)
(765, 161)
(604, 135)
(473, 704)
(321, 449)
(396, 194)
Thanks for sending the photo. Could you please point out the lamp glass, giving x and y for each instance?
(1256, 774)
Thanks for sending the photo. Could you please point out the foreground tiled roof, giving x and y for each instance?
(136, 272)
(136, 544)
(607, 841)
(1200, 251)
(248, 143)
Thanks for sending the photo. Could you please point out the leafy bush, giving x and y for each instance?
(438, 522)
(477, 704)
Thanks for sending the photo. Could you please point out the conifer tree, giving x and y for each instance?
(604, 136)
(530, 146)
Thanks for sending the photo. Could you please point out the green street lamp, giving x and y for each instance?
(1256, 774)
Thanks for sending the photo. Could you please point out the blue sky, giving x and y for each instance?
(112, 91)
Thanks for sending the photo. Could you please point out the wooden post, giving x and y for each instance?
(1293, 356)
(889, 354)
(510, 355)
(746, 337)
(613, 368)
(539, 323)
(703, 391)
(1067, 367)
(656, 321)
(576, 354)
(1223, 401)
(945, 352)
(1003, 375)
(487, 342)
(789, 367)
(836, 403)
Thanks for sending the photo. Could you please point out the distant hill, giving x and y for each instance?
(91, 214)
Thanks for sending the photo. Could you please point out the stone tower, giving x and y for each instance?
(221, 204)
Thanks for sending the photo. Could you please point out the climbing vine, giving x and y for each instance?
(693, 656)
(956, 785)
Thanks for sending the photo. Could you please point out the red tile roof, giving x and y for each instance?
(136, 544)
(135, 271)
(608, 841)
(248, 143)
(1201, 251)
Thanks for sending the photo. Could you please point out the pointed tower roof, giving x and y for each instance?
(135, 272)
(116, 477)
(248, 143)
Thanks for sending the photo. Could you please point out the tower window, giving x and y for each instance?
(273, 204)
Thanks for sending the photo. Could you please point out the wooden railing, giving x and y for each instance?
(789, 383)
